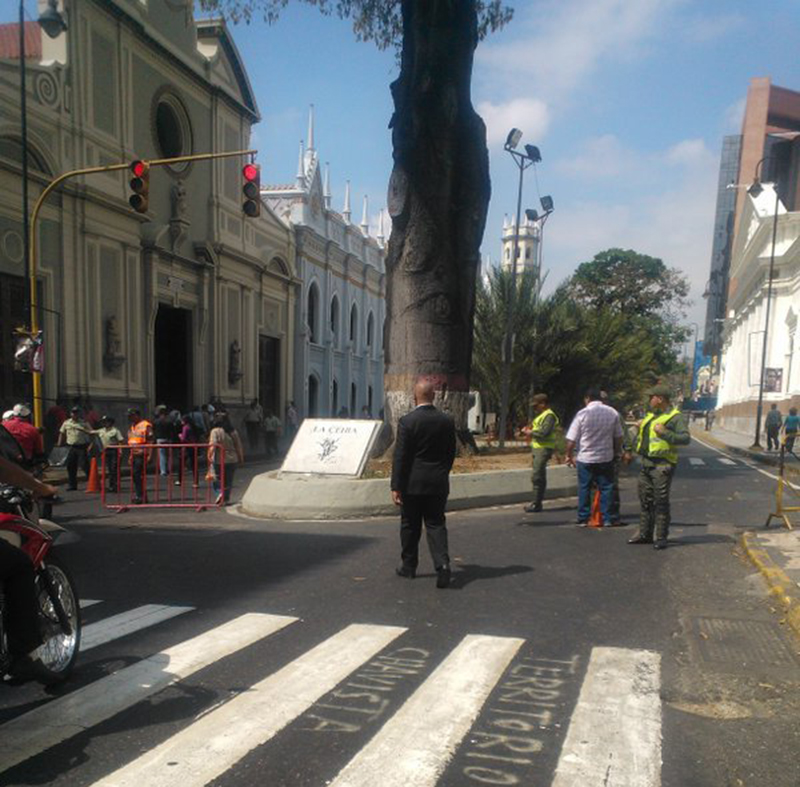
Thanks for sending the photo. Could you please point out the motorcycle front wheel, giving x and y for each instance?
(58, 604)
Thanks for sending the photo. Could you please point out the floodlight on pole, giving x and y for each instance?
(513, 138)
(532, 152)
(523, 161)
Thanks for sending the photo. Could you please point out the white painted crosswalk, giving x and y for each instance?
(613, 735)
(697, 461)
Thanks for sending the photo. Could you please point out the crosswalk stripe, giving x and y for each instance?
(724, 461)
(415, 745)
(74, 713)
(88, 602)
(696, 461)
(207, 748)
(126, 623)
(614, 736)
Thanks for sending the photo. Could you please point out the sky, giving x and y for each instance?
(627, 100)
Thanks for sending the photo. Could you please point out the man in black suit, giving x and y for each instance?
(423, 455)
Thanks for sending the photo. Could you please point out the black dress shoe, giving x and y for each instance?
(660, 543)
(443, 577)
(405, 571)
(640, 540)
(533, 508)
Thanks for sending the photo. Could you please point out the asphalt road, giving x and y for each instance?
(232, 651)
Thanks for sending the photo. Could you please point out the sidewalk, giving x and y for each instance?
(775, 551)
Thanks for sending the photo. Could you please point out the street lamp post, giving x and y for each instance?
(694, 359)
(53, 24)
(533, 217)
(754, 191)
(523, 161)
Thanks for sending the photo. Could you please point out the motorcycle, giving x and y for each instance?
(57, 597)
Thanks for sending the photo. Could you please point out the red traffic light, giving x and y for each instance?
(140, 186)
(138, 168)
(251, 190)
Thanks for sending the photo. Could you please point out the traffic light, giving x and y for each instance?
(140, 185)
(251, 190)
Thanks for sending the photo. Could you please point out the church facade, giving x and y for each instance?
(188, 301)
(341, 309)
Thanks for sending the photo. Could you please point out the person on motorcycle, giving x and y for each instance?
(26, 434)
(17, 576)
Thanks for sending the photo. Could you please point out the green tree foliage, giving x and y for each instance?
(650, 295)
(561, 347)
(379, 21)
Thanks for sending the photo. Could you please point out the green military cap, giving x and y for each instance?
(660, 390)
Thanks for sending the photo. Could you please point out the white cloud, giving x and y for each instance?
(703, 30)
(529, 114)
(734, 116)
(563, 42)
(673, 221)
(689, 152)
(600, 157)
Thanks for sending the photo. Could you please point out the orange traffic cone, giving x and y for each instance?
(596, 518)
(93, 484)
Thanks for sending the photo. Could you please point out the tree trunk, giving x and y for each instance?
(438, 198)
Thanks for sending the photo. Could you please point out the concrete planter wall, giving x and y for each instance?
(272, 496)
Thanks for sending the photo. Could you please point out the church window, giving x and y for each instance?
(311, 317)
(173, 131)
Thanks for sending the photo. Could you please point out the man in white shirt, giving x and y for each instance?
(597, 433)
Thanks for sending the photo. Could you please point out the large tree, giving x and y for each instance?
(562, 345)
(439, 188)
(652, 296)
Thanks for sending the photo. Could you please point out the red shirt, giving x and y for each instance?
(27, 435)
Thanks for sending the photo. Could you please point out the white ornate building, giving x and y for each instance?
(184, 302)
(339, 323)
(744, 330)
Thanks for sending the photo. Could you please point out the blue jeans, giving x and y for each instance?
(163, 457)
(602, 474)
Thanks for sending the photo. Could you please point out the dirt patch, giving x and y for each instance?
(484, 461)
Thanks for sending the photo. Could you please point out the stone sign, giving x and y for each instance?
(331, 446)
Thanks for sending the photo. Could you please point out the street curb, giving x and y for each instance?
(304, 497)
(764, 459)
(780, 585)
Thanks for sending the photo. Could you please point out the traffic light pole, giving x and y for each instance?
(34, 320)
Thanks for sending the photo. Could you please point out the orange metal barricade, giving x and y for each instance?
(161, 475)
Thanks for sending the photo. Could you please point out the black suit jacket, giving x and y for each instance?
(424, 452)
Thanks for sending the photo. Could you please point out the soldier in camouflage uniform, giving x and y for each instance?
(660, 432)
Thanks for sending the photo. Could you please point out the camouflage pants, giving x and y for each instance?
(540, 456)
(655, 481)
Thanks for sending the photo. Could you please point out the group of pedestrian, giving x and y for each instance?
(85, 434)
(597, 443)
(263, 425)
(775, 424)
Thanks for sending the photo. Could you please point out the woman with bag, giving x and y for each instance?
(223, 442)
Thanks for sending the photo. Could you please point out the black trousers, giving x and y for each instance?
(17, 576)
(77, 454)
(415, 510)
(137, 475)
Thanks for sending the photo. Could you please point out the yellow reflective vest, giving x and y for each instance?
(550, 440)
(658, 448)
